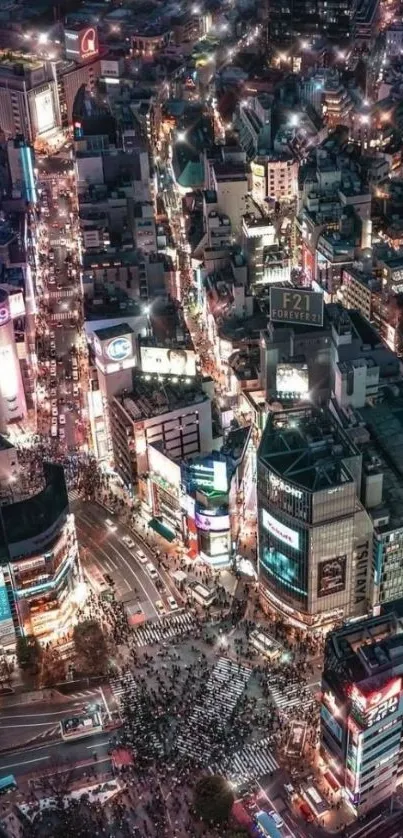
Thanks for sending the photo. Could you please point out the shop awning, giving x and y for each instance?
(161, 529)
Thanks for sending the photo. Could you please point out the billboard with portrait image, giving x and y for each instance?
(173, 361)
(45, 111)
(332, 576)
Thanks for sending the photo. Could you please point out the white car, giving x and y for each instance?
(62, 419)
(160, 606)
(110, 524)
(53, 430)
(141, 557)
(128, 541)
(54, 412)
(172, 603)
(277, 818)
(152, 572)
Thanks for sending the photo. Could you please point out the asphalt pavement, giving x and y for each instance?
(105, 549)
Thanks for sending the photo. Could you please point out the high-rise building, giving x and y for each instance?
(362, 709)
(39, 562)
(29, 103)
(310, 519)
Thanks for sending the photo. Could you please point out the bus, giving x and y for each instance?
(296, 739)
(98, 583)
(266, 825)
(7, 783)
(265, 644)
(315, 800)
(84, 724)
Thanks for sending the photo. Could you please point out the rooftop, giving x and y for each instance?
(152, 397)
(307, 447)
(113, 331)
(365, 652)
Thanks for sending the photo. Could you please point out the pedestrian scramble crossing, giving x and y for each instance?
(225, 684)
(250, 763)
(173, 625)
(126, 687)
(294, 698)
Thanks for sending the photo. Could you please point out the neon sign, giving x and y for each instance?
(88, 44)
(119, 349)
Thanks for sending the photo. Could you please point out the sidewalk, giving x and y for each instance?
(24, 697)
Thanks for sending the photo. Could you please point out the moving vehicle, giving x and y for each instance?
(172, 603)
(141, 557)
(160, 606)
(128, 541)
(266, 825)
(110, 524)
(152, 572)
(277, 818)
(7, 783)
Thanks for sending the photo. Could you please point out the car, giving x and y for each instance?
(62, 433)
(277, 818)
(128, 541)
(151, 570)
(141, 557)
(160, 606)
(75, 375)
(54, 412)
(172, 603)
(109, 580)
(62, 419)
(110, 524)
(53, 430)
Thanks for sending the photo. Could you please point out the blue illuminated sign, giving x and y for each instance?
(119, 349)
(5, 613)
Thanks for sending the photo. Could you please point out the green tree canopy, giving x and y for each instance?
(90, 647)
(213, 799)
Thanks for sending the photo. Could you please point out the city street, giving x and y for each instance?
(105, 549)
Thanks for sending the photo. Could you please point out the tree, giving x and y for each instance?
(29, 654)
(53, 669)
(90, 647)
(213, 799)
(72, 819)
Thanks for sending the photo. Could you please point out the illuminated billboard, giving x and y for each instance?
(291, 305)
(288, 573)
(373, 708)
(207, 475)
(164, 361)
(279, 530)
(119, 349)
(292, 380)
(81, 44)
(212, 523)
(45, 111)
(330, 722)
(332, 576)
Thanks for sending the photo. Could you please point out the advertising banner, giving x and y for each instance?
(164, 361)
(332, 575)
(212, 523)
(45, 113)
(292, 380)
(290, 305)
(279, 530)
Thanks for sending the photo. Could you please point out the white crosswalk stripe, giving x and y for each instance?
(294, 697)
(173, 625)
(126, 687)
(226, 683)
(253, 761)
(74, 495)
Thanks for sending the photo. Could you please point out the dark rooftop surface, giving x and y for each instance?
(306, 447)
(114, 331)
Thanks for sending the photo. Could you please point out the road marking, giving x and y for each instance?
(28, 762)
(28, 715)
(38, 724)
(98, 745)
(106, 704)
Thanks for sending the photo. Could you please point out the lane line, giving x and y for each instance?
(98, 745)
(106, 704)
(28, 762)
(38, 724)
